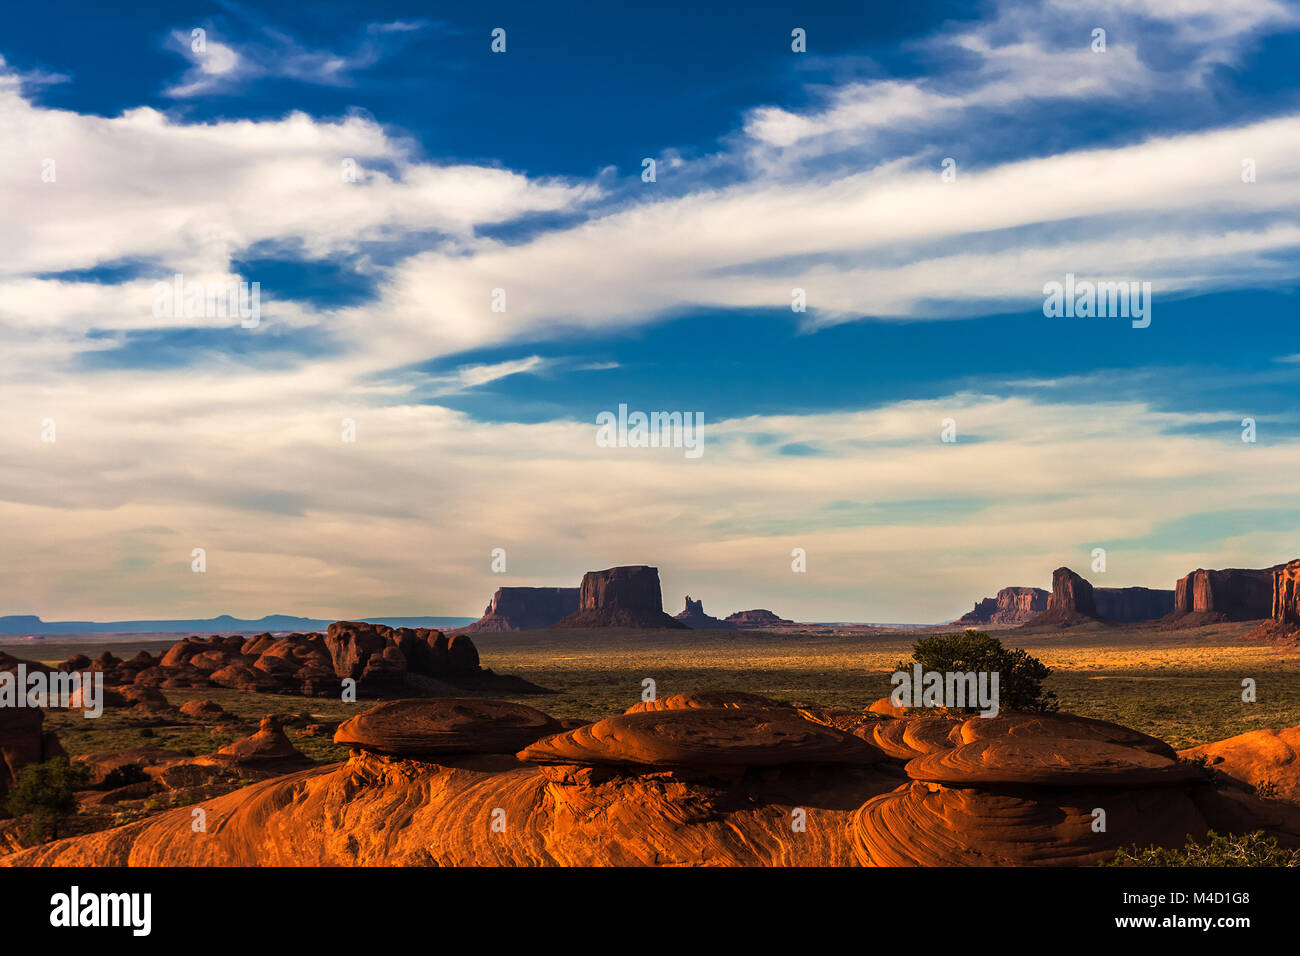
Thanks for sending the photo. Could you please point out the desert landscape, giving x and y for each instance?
(617, 735)
(478, 464)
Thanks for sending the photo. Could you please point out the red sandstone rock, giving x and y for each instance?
(1048, 762)
(267, 750)
(1232, 594)
(522, 609)
(379, 809)
(1286, 594)
(21, 742)
(1069, 726)
(621, 597)
(146, 699)
(705, 700)
(694, 617)
(723, 738)
(756, 619)
(934, 825)
(1129, 605)
(1011, 606)
(1260, 759)
(437, 727)
(205, 710)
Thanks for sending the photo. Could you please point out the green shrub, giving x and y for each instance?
(124, 775)
(1251, 849)
(1020, 677)
(45, 793)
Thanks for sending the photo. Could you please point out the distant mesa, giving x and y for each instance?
(526, 609)
(1011, 606)
(1075, 601)
(1231, 594)
(757, 619)
(694, 617)
(1284, 605)
(621, 597)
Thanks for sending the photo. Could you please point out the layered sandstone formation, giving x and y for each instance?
(524, 609)
(694, 617)
(1286, 595)
(1266, 760)
(1075, 601)
(621, 597)
(382, 660)
(1230, 594)
(1011, 606)
(757, 619)
(1128, 605)
(721, 778)
(23, 741)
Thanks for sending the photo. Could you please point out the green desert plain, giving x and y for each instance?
(1182, 685)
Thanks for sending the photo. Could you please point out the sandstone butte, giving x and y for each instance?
(523, 609)
(1074, 600)
(621, 597)
(712, 777)
(694, 617)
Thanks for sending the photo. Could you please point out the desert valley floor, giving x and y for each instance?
(1182, 685)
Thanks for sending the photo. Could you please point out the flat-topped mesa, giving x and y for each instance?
(694, 617)
(526, 609)
(1230, 594)
(1286, 594)
(1128, 605)
(756, 619)
(1011, 606)
(1075, 601)
(621, 597)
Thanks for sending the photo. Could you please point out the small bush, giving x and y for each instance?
(45, 793)
(124, 775)
(1251, 849)
(1020, 676)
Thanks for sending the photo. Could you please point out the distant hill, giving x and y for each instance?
(24, 624)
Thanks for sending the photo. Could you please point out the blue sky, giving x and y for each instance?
(775, 169)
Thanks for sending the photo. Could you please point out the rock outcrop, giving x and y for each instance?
(424, 729)
(1264, 760)
(711, 741)
(1075, 601)
(1230, 594)
(1286, 595)
(694, 617)
(1129, 605)
(621, 597)
(382, 660)
(23, 741)
(525, 609)
(757, 619)
(1071, 602)
(1011, 606)
(692, 785)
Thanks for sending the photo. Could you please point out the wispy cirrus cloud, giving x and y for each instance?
(220, 65)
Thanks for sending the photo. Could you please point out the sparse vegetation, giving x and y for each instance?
(1020, 676)
(1251, 849)
(45, 794)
